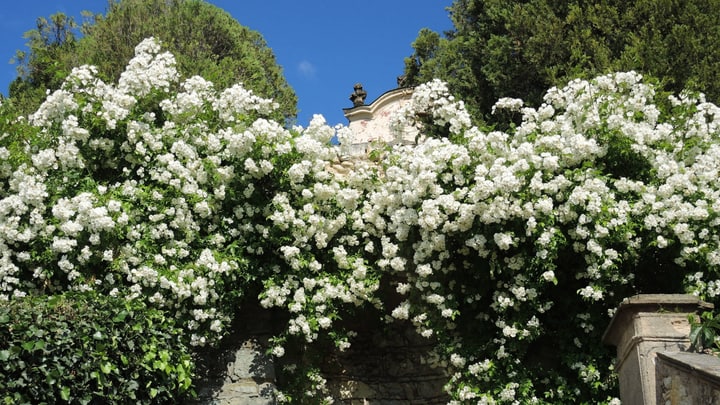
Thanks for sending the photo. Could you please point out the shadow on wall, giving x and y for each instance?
(386, 364)
(239, 371)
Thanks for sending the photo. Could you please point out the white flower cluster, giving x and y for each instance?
(150, 70)
(502, 208)
(127, 205)
(433, 99)
(487, 238)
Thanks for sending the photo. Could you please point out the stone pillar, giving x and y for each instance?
(642, 326)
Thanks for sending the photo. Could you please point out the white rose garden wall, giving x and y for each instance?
(490, 245)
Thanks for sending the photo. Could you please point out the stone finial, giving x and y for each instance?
(358, 95)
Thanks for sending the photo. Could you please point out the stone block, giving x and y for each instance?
(240, 388)
(353, 390)
(250, 361)
(687, 378)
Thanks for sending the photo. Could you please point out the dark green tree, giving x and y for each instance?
(510, 48)
(206, 41)
(48, 62)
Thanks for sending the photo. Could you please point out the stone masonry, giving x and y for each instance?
(386, 365)
(239, 372)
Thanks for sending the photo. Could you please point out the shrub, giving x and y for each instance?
(89, 348)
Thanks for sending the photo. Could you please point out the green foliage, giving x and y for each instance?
(206, 41)
(17, 136)
(503, 48)
(49, 60)
(85, 347)
(704, 332)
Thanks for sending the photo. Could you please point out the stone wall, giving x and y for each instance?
(687, 378)
(371, 122)
(651, 333)
(239, 372)
(643, 326)
(386, 365)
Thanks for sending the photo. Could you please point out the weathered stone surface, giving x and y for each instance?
(687, 378)
(239, 372)
(372, 122)
(384, 366)
(251, 362)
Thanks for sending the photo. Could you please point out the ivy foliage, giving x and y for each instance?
(85, 347)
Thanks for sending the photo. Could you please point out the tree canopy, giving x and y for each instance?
(503, 48)
(206, 41)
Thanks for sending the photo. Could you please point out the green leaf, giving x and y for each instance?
(4, 355)
(133, 385)
(4, 318)
(54, 300)
(160, 365)
(120, 317)
(106, 367)
(65, 393)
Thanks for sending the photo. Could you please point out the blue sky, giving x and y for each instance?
(324, 47)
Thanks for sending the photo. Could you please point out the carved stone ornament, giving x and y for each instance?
(358, 95)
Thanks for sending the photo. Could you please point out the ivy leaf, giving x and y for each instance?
(39, 345)
(120, 317)
(106, 367)
(65, 393)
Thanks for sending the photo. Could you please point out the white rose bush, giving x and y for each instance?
(509, 250)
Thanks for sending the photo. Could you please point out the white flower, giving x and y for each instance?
(549, 275)
(457, 360)
(503, 240)
(149, 69)
(402, 311)
(278, 351)
(510, 331)
(216, 326)
(324, 322)
(506, 103)
(508, 393)
(402, 288)
(424, 270)
(591, 292)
